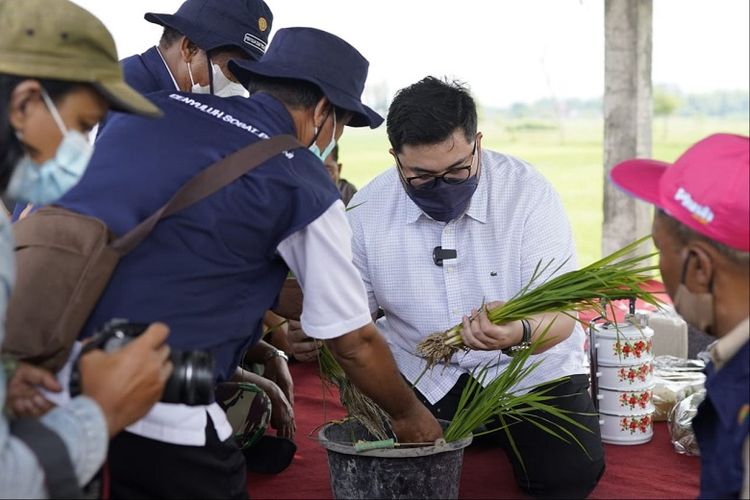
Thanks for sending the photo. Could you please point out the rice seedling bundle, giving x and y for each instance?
(360, 407)
(504, 402)
(612, 278)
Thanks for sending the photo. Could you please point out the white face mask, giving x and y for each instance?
(46, 183)
(316, 150)
(195, 88)
(223, 86)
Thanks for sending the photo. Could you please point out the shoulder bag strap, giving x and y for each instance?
(207, 182)
(52, 454)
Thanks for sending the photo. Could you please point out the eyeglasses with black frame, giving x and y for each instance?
(453, 176)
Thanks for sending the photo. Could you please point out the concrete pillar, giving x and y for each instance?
(627, 114)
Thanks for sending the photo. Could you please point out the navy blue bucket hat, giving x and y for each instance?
(320, 58)
(211, 24)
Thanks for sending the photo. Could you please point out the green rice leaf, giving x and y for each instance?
(616, 276)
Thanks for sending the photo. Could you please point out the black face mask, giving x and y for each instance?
(443, 202)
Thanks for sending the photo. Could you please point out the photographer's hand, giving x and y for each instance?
(24, 397)
(127, 383)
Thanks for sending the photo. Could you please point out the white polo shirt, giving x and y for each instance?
(515, 220)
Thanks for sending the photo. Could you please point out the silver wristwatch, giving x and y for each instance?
(275, 352)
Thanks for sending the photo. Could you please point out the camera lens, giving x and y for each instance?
(192, 380)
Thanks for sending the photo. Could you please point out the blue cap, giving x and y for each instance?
(211, 24)
(320, 58)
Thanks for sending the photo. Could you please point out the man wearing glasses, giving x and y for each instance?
(454, 226)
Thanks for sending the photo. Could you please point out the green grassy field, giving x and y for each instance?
(571, 159)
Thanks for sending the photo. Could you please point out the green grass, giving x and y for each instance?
(572, 160)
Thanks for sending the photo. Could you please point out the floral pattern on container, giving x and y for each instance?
(640, 424)
(633, 374)
(633, 349)
(635, 400)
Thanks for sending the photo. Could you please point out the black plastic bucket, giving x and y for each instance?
(401, 472)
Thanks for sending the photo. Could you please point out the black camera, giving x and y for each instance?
(192, 379)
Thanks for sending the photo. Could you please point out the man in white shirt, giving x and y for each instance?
(453, 226)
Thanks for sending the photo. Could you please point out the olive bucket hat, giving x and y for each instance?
(58, 40)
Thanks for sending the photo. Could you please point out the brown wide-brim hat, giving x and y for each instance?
(59, 40)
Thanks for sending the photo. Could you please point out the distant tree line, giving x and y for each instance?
(668, 101)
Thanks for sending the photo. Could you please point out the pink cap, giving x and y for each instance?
(707, 188)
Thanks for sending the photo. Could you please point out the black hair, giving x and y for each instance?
(293, 93)
(169, 37)
(429, 112)
(685, 234)
(11, 149)
(297, 94)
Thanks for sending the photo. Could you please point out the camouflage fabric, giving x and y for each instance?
(248, 410)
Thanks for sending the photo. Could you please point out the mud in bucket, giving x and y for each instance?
(401, 472)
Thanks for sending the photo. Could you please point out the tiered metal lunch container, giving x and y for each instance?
(622, 380)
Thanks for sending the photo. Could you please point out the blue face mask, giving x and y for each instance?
(316, 150)
(46, 183)
(443, 202)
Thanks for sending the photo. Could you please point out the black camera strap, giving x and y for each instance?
(52, 454)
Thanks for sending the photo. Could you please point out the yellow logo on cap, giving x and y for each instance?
(262, 24)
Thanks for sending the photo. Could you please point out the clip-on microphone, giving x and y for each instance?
(439, 255)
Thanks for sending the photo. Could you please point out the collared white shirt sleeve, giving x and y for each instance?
(359, 258)
(320, 256)
(546, 239)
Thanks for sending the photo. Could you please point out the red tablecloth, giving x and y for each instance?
(651, 470)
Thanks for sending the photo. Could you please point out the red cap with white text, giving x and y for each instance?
(707, 188)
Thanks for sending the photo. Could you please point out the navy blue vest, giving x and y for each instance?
(210, 271)
(721, 426)
(146, 72)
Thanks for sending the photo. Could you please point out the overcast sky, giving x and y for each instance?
(506, 50)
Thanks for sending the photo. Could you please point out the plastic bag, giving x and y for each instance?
(673, 364)
(674, 380)
(680, 424)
